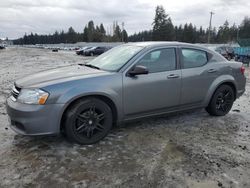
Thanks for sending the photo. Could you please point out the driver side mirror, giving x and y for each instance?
(137, 70)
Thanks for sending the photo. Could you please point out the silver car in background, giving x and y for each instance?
(131, 81)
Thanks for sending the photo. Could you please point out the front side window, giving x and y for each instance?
(193, 58)
(159, 60)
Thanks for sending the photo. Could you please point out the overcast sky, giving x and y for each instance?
(46, 16)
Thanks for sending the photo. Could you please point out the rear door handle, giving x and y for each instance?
(212, 70)
(173, 76)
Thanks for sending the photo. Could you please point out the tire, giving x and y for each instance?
(88, 121)
(222, 101)
(91, 54)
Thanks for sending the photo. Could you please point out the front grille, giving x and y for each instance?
(15, 91)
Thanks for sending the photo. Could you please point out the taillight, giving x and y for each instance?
(242, 69)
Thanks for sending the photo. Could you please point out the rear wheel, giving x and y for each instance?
(222, 101)
(88, 121)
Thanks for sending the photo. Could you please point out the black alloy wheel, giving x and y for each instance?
(88, 121)
(222, 101)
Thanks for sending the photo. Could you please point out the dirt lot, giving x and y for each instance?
(186, 150)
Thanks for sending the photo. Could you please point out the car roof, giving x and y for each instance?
(152, 44)
(155, 44)
(160, 43)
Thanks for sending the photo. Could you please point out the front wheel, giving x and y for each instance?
(88, 121)
(221, 102)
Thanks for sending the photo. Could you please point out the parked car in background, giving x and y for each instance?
(2, 47)
(55, 50)
(130, 81)
(96, 51)
(226, 51)
(82, 50)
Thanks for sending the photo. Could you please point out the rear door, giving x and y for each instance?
(197, 75)
(157, 90)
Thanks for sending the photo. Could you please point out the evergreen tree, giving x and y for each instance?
(245, 28)
(124, 35)
(85, 34)
(25, 39)
(223, 33)
(141, 36)
(91, 30)
(189, 33)
(71, 36)
(233, 33)
(163, 28)
(97, 36)
(102, 30)
(117, 37)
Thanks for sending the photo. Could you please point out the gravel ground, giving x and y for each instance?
(189, 149)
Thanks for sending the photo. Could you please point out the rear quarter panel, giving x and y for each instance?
(228, 72)
(240, 79)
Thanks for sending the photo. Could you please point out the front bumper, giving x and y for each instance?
(240, 93)
(28, 119)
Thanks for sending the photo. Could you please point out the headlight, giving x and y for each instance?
(32, 96)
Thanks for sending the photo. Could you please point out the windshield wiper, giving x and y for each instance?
(91, 66)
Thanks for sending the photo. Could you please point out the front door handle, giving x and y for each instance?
(173, 76)
(212, 70)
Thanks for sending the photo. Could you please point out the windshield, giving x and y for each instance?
(91, 48)
(115, 58)
(83, 48)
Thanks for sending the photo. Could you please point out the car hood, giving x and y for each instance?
(57, 74)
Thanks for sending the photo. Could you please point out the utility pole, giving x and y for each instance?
(210, 26)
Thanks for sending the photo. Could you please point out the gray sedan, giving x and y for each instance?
(131, 81)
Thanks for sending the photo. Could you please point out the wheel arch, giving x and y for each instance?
(104, 98)
(230, 83)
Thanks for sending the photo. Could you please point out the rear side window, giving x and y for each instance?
(159, 60)
(193, 58)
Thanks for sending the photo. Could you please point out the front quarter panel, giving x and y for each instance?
(107, 85)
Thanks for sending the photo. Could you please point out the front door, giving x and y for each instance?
(156, 91)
